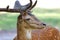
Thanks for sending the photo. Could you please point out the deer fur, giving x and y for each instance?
(47, 33)
(30, 28)
(26, 33)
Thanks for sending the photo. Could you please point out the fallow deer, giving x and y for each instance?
(30, 28)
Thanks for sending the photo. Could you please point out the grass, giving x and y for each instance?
(8, 20)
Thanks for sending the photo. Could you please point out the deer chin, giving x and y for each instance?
(28, 34)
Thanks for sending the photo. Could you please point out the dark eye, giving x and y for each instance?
(28, 19)
(44, 24)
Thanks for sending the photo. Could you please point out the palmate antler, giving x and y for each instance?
(9, 10)
(29, 6)
(25, 7)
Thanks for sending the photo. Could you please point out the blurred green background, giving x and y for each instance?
(49, 16)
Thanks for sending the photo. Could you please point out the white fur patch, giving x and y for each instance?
(28, 34)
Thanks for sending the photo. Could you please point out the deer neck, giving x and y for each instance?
(20, 29)
(22, 32)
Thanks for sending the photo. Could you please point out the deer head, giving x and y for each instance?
(28, 18)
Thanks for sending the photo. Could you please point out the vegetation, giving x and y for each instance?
(42, 10)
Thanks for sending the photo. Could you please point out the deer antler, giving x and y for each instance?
(33, 5)
(17, 10)
(29, 5)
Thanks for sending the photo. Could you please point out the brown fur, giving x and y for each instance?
(47, 33)
(40, 31)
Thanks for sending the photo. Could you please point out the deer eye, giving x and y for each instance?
(28, 19)
(44, 24)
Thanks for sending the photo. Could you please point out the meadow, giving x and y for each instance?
(8, 21)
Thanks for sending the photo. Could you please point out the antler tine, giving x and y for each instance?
(29, 5)
(33, 5)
